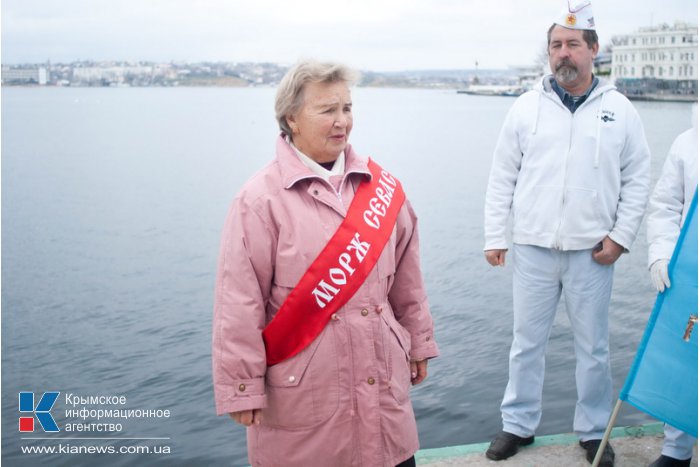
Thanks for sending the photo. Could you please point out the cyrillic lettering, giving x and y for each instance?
(361, 248)
(371, 219)
(325, 295)
(338, 276)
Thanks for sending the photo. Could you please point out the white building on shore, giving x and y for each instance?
(660, 61)
(111, 73)
(35, 75)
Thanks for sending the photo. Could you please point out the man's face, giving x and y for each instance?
(570, 59)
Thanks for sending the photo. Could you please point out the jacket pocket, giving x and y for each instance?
(303, 390)
(287, 274)
(537, 212)
(397, 347)
(582, 212)
(385, 268)
(288, 271)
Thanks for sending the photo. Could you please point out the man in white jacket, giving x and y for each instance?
(571, 168)
(668, 207)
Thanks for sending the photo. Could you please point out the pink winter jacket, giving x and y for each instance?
(344, 400)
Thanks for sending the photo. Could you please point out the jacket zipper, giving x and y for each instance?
(557, 234)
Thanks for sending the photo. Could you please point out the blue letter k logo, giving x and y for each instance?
(42, 410)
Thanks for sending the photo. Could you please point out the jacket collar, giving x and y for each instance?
(545, 87)
(569, 100)
(293, 170)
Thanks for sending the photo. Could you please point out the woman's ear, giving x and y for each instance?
(291, 121)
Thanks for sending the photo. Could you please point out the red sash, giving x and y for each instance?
(339, 270)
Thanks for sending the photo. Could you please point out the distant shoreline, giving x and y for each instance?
(663, 98)
(459, 89)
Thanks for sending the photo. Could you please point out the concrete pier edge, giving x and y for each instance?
(428, 455)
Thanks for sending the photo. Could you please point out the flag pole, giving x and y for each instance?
(606, 436)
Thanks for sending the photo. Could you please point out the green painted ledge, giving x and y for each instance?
(426, 455)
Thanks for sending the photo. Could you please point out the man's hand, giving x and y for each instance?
(607, 252)
(496, 257)
(419, 371)
(247, 417)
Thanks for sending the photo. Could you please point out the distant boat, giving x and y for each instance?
(520, 81)
(493, 90)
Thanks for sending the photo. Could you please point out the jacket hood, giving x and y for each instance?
(544, 88)
(545, 85)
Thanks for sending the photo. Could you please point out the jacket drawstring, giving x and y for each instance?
(597, 138)
(537, 113)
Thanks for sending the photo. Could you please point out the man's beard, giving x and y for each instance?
(566, 72)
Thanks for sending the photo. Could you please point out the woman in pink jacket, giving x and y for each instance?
(326, 383)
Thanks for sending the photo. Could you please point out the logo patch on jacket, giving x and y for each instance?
(607, 116)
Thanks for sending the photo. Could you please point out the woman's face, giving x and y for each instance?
(322, 126)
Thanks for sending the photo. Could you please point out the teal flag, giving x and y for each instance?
(663, 380)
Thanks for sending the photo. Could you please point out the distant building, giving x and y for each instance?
(12, 75)
(602, 64)
(111, 74)
(659, 61)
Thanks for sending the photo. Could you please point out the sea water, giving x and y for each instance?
(113, 201)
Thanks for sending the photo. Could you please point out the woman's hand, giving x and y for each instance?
(419, 371)
(247, 417)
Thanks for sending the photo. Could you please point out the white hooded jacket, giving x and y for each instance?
(568, 179)
(672, 196)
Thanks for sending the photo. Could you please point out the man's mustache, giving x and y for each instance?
(566, 63)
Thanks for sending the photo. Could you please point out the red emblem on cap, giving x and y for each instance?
(571, 20)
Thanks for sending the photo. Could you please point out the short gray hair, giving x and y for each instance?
(290, 92)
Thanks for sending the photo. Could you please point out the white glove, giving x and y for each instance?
(659, 274)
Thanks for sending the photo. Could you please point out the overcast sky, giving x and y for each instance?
(380, 35)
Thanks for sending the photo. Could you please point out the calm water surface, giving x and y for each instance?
(112, 206)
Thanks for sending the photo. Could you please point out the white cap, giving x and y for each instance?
(577, 14)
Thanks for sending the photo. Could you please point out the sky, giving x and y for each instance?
(377, 35)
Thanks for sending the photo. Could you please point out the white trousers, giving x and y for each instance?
(539, 278)
(677, 444)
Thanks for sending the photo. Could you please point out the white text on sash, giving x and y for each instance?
(337, 277)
